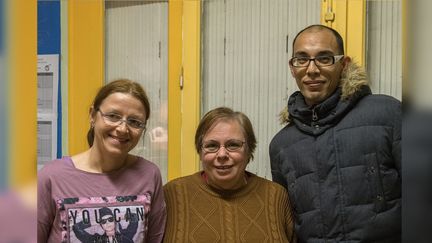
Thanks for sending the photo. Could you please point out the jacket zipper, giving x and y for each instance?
(314, 115)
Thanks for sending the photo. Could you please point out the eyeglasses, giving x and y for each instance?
(232, 145)
(320, 61)
(104, 221)
(115, 119)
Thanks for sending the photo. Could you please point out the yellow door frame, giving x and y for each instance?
(348, 17)
(183, 85)
(175, 76)
(86, 51)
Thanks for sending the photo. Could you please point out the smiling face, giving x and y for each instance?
(224, 169)
(108, 225)
(117, 140)
(317, 83)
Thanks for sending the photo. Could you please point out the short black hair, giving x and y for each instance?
(320, 27)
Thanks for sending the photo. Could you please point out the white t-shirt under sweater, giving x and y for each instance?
(122, 206)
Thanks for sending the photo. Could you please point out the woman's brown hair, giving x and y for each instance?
(118, 86)
(212, 117)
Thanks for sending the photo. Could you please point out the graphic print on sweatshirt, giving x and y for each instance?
(104, 219)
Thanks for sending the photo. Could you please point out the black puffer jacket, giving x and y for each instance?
(341, 164)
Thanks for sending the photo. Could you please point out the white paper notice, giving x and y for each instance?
(48, 78)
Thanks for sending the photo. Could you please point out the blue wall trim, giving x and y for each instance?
(49, 42)
(48, 27)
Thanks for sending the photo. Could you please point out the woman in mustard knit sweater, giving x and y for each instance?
(224, 202)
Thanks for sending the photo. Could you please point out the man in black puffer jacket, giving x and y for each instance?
(339, 156)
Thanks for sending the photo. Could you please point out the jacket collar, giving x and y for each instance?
(316, 120)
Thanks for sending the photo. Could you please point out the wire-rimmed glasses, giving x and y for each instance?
(115, 119)
(232, 145)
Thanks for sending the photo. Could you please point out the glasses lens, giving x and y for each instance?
(211, 147)
(233, 145)
(300, 61)
(112, 118)
(135, 123)
(324, 60)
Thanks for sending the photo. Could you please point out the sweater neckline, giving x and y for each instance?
(251, 185)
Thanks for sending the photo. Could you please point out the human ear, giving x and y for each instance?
(346, 61)
(292, 70)
(92, 112)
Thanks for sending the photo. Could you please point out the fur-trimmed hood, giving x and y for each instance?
(353, 78)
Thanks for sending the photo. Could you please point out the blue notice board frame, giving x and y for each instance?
(49, 42)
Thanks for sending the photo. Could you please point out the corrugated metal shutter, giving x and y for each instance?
(136, 48)
(246, 45)
(384, 47)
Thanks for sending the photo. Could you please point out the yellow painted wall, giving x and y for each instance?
(86, 66)
(22, 57)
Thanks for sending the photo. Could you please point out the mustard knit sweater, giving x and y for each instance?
(258, 212)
